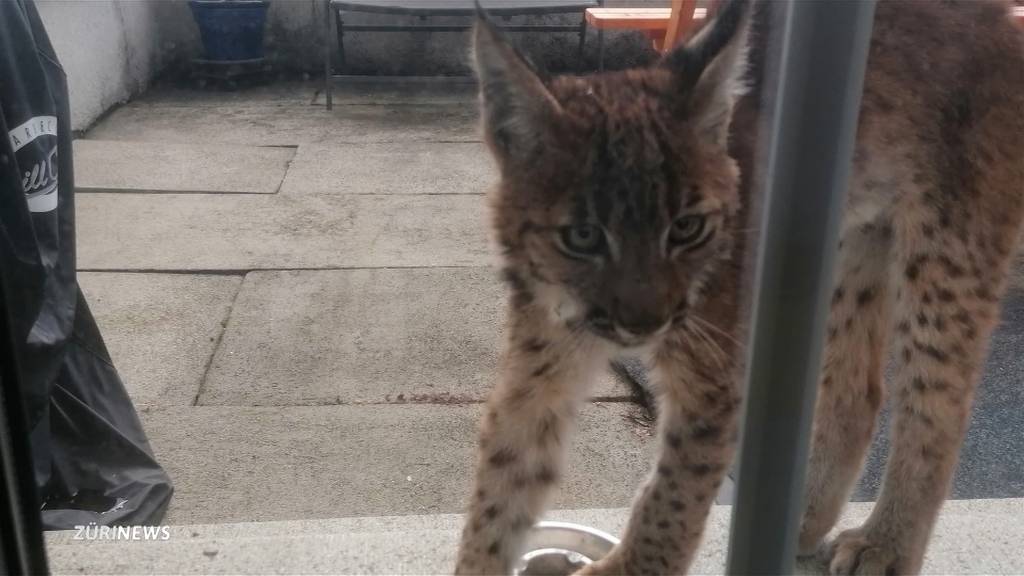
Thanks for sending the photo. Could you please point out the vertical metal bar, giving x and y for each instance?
(328, 47)
(815, 103)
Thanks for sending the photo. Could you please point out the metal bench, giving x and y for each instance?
(429, 8)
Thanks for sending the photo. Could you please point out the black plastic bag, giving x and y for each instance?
(92, 461)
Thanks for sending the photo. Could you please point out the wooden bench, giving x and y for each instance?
(666, 26)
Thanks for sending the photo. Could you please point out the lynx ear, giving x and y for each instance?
(711, 70)
(518, 111)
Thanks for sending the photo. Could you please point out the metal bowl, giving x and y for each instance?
(561, 548)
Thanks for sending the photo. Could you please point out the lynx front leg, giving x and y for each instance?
(697, 431)
(545, 377)
(944, 313)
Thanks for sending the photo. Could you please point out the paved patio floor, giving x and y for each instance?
(303, 306)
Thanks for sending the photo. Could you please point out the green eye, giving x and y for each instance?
(690, 231)
(584, 239)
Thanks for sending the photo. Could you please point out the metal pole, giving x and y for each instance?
(328, 47)
(822, 53)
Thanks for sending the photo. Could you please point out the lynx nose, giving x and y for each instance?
(639, 322)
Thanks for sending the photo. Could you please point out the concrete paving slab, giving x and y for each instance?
(233, 232)
(268, 125)
(232, 464)
(364, 336)
(973, 537)
(106, 166)
(160, 329)
(423, 168)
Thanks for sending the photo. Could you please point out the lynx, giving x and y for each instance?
(623, 218)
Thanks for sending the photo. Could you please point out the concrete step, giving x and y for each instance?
(246, 464)
(110, 166)
(234, 232)
(971, 537)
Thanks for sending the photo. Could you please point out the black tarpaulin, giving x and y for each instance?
(92, 461)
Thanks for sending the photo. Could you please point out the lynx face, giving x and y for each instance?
(618, 197)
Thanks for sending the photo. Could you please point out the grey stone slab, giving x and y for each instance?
(391, 168)
(102, 165)
(160, 329)
(364, 336)
(267, 125)
(235, 232)
(234, 464)
(979, 538)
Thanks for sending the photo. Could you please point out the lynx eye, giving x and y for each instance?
(690, 232)
(584, 239)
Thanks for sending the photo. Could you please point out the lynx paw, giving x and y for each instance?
(860, 552)
(606, 566)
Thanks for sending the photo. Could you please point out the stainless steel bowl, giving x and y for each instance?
(560, 548)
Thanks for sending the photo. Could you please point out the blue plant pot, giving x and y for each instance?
(232, 30)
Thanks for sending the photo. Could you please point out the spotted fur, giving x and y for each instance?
(657, 162)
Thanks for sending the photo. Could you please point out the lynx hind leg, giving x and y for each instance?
(850, 387)
(522, 439)
(951, 278)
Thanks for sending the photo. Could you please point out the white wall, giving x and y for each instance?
(110, 50)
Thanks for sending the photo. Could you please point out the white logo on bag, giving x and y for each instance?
(39, 182)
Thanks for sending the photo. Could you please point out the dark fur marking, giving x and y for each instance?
(703, 432)
(907, 355)
(542, 369)
(493, 548)
(930, 350)
(664, 471)
(837, 295)
(491, 512)
(547, 429)
(953, 269)
(865, 296)
(674, 440)
(922, 320)
(546, 476)
(677, 505)
(502, 458)
(663, 524)
(903, 327)
(944, 295)
(700, 469)
(533, 345)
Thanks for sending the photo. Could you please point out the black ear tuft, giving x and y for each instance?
(710, 69)
(691, 59)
